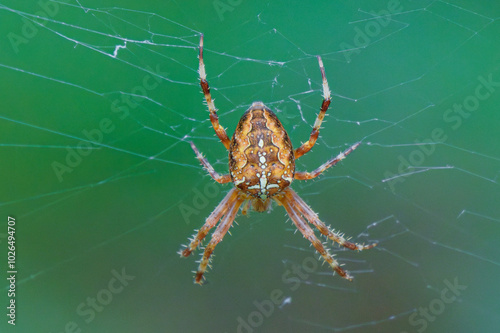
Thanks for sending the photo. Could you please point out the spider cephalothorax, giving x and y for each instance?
(262, 167)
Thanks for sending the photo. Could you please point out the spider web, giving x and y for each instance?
(101, 100)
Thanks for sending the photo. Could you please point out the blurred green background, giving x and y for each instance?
(99, 100)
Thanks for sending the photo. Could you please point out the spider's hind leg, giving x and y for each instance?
(214, 118)
(306, 146)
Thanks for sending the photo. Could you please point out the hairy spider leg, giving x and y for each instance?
(304, 175)
(214, 118)
(222, 179)
(308, 233)
(313, 218)
(221, 209)
(247, 204)
(306, 146)
(217, 236)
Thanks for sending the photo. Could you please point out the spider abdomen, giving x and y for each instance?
(261, 160)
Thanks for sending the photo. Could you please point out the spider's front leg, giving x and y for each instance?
(219, 211)
(217, 236)
(227, 210)
(308, 233)
(313, 218)
(214, 118)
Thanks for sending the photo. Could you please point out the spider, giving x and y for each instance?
(262, 167)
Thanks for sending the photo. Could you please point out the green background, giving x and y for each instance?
(110, 90)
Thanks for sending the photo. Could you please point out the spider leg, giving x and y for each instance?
(214, 118)
(313, 218)
(222, 179)
(211, 221)
(246, 207)
(306, 146)
(303, 175)
(308, 233)
(217, 236)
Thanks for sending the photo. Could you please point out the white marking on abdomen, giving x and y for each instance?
(263, 183)
(238, 182)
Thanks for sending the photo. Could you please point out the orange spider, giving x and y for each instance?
(262, 167)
